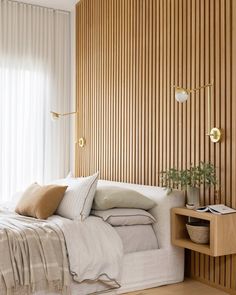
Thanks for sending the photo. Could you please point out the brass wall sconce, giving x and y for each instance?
(182, 94)
(56, 116)
(82, 142)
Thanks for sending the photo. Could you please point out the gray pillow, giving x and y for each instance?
(108, 197)
(124, 216)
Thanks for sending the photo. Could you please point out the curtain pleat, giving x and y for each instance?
(34, 79)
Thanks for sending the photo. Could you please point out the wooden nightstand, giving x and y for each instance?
(222, 232)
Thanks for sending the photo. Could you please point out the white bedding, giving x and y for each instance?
(94, 249)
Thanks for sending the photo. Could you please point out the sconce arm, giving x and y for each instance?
(189, 90)
(58, 115)
(67, 114)
(201, 87)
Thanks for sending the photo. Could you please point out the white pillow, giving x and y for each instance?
(78, 199)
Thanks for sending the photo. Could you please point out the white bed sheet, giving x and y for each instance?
(95, 250)
(137, 237)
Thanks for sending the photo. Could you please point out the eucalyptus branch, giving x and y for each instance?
(195, 176)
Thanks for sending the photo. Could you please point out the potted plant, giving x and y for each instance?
(190, 179)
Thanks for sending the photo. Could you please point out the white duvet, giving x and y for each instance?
(95, 250)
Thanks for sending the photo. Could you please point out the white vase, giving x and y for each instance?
(193, 196)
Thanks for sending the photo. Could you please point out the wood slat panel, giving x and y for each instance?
(129, 54)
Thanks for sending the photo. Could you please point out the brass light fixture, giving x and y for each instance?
(82, 142)
(182, 94)
(56, 116)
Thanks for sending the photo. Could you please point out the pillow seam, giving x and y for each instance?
(81, 212)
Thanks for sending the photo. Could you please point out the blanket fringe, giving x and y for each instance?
(54, 287)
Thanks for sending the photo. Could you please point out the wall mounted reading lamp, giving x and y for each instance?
(56, 116)
(182, 94)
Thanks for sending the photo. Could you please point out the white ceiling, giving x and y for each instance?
(57, 4)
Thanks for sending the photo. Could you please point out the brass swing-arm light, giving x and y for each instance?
(182, 94)
(56, 116)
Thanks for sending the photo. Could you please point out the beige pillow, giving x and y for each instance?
(40, 201)
(109, 197)
(125, 216)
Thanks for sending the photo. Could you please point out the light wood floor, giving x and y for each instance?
(188, 287)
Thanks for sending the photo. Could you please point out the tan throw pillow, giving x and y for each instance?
(40, 201)
(109, 197)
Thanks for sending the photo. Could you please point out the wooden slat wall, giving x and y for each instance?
(129, 54)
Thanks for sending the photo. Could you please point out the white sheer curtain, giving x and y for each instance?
(34, 78)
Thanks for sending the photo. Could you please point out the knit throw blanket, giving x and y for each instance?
(33, 256)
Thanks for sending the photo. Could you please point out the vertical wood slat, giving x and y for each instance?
(232, 78)
(218, 45)
(129, 54)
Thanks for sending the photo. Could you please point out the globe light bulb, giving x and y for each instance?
(181, 94)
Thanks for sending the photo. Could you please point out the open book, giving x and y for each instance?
(217, 209)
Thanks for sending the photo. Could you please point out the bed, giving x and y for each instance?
(143, 269)
(147, 269)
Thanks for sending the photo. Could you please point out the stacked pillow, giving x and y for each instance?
(69, 197)
(125, 216)
(121, 207)
(79, 196)
(126, 210)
